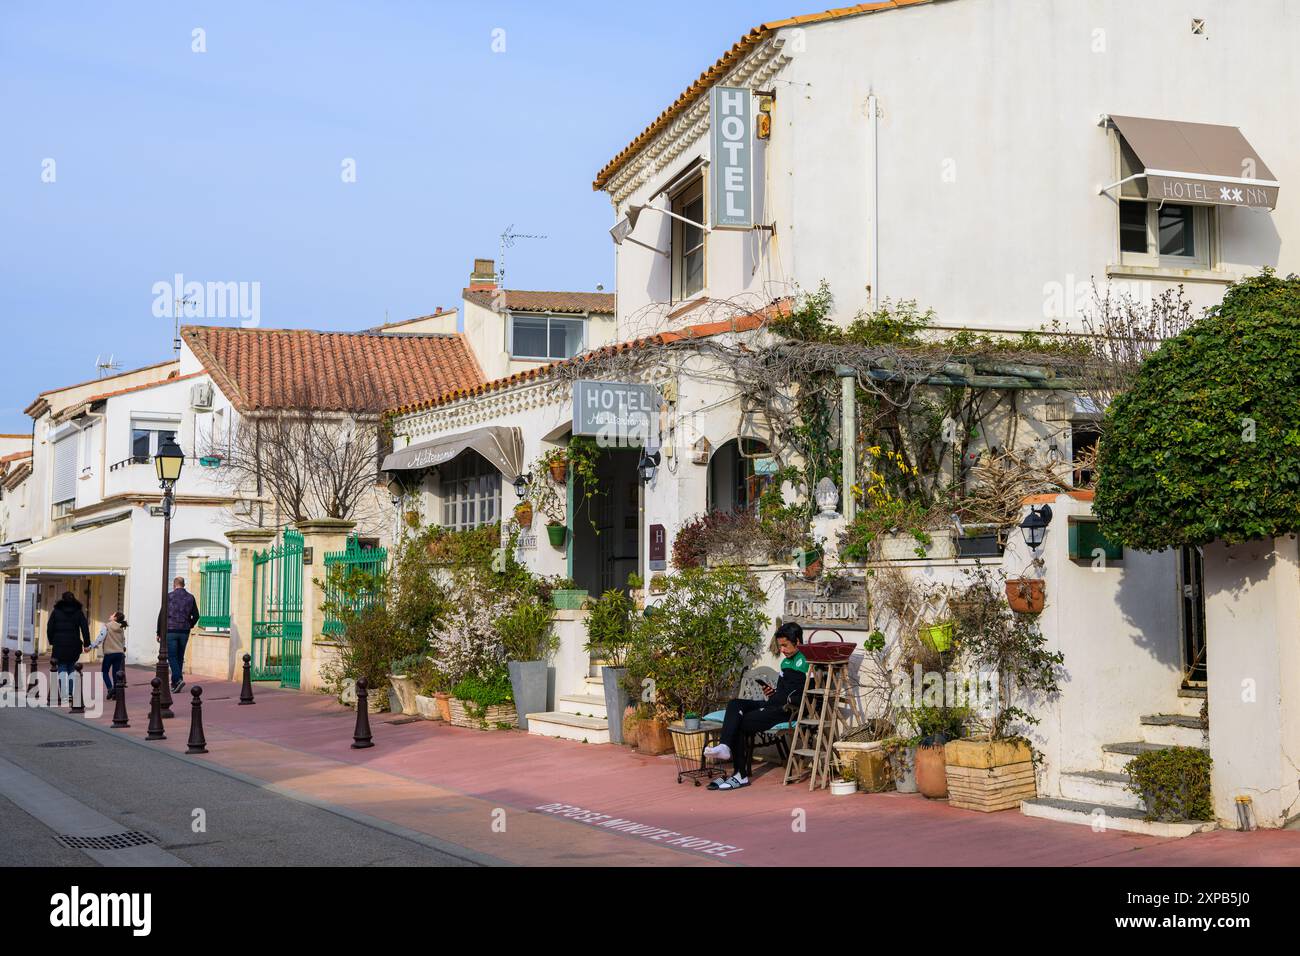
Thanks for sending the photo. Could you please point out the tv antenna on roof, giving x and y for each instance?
(507, 241)
(181, 302)
(103, 368)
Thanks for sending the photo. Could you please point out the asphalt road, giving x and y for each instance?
(89, 783)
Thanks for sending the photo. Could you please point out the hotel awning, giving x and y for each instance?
(502, 446)
(1195, 163)
(101, 549)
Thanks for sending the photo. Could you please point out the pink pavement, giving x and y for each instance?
(564, 802)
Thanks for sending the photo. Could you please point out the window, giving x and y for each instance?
(738, 474)
(147, 437)
(471, 492)
(1083, 444)
(1175, 235)
(64, 488)
(688, 241)
(545, 337)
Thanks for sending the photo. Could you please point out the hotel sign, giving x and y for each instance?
(617, 414)
(731, 166)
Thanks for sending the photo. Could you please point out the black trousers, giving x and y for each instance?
(744, 719)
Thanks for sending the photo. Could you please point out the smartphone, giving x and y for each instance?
(762, 683)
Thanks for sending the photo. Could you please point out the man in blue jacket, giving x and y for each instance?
(179, 618)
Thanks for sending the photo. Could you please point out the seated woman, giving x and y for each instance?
(748, 717)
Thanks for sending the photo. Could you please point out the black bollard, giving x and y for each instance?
(165, 677)
(33, 672)
(246, 692)
(76, 697)
(4, 659)
(18, 663)
(56, 686)
(155, 731)
(197, 744)
(361, 738)
(119, 699)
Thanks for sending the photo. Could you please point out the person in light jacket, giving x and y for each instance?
(112, 638)
(68, 632)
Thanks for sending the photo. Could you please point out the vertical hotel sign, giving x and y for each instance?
(731, 165)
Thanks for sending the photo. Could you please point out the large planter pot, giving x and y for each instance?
(528, 681)
(556, 534)
(569, 599)
(615, 701)
(653, 738)
(404, 688)
(931, 772)
(902, 766)
(444, 705)
(1026, 595)
(867, 762)
(496, 717)
(989, 775)
(427, 707)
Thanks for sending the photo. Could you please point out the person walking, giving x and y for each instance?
(175, 621)
(68, 633)
(112, 638)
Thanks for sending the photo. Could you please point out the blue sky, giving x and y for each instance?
(227, 165)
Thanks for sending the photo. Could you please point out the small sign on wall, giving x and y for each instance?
(813, 604)
(658, 548)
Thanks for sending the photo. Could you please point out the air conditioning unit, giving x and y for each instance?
(201, 396)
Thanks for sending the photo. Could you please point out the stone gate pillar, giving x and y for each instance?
(320, 537)
(244, 543)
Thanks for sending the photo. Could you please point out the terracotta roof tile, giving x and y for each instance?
(173, 377)
(742, 323)
(264, 369)
(724, 65)
(16, 456)
(522, 300)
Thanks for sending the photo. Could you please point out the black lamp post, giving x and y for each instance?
(168, 464)
(1034, 527)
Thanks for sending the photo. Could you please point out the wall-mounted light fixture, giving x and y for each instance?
(647, 466)
(1034, 527)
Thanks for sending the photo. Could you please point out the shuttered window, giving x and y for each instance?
(65, 470)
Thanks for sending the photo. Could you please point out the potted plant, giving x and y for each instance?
(901, 754)
(1026, 595)
(557, 534)
(524, 514)
(528, 637)
(810, 561)
(557, 462)
(567, 596)
(937, 637)
(1174, 783)
(484, 703)
(403, 679)
(609, 632)
(691, 721)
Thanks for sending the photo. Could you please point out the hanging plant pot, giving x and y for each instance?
(938, 637)
(557, 533)
(413, 519)
(1026, 595)
(524, 514)
(811, 562)
(559, 469)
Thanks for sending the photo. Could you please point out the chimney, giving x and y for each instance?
(484, 275)
(437, 310)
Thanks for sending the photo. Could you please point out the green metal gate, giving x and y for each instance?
(277, 612)
(354, 581)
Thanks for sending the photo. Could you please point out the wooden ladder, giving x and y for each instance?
(817, 727)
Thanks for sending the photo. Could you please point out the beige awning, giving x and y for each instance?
(1195, 163)
(502, 446)
(102, 549)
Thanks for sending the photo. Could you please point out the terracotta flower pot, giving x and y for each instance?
(524, 514)
(1026, 595)
(653, 738)
(444, 705)
(559, 470)
(932, 772)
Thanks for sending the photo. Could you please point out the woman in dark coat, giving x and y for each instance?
(68, 632)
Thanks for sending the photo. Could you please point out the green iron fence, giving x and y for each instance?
(277, 612)
(214, 596)
(353, 582)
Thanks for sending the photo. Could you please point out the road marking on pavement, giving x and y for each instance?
(101, 838)
(645, 831)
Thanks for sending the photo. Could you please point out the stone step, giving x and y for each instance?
(584, 705)
(1188, 703)
(1099, 788)
(1105, 817)
(1115, 756)
(569, 727)
(1176, 730)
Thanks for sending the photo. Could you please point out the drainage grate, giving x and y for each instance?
(66, 743)
(114, 841)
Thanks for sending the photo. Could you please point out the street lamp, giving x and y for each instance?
(647, 466)
(168, 464)
(1034, 527)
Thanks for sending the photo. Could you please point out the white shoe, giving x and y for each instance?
(733, 783)
(718, 752)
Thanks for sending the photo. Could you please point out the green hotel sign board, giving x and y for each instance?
(616, 414)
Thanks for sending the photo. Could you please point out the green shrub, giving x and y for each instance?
(1206, 443)
(484, 692)
(609, 627)
(1174, 782)
(527, 631)
(367, 648)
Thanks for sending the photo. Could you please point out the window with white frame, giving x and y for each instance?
(688, 240)
(1170, 235)
(546, 337)
(147, 436)
(63, 490)
(471, 492)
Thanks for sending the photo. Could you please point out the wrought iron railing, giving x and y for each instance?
(354, 581)
(214, 596)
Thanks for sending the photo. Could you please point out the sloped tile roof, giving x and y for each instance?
(741, 323)
(724, 65)
(522, 300)
(269, 369)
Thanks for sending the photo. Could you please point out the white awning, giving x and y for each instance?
(104, 549)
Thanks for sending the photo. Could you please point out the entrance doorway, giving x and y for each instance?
(603, 556)
(1191, 585)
